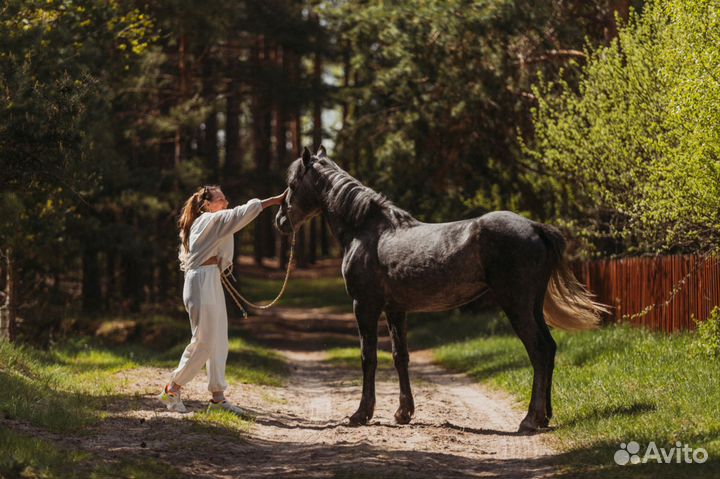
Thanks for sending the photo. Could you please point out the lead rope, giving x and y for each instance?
(237, 297)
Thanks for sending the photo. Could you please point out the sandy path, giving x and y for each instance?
(460, 429)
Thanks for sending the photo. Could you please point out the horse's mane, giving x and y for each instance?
(353, 201)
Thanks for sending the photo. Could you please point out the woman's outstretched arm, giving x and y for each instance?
(274, 200)
(232, 220)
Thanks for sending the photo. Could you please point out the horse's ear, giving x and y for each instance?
(321, 153)
(306, 157)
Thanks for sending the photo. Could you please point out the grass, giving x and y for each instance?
(220, 421)
(247, 363)
(350, 357)
(75, 379)
(30, 457)
(613, 385)
(66, 390)
(326, 293)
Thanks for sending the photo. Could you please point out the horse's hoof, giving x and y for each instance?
(530, 425)
(403, 416)
(359, 419)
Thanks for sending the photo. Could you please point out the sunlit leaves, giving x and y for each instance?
(633, 157)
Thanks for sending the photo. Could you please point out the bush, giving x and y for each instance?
(632, 159)
(707, 339)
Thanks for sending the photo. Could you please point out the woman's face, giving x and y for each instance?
(217, 203)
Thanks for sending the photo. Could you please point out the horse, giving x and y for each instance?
(396, 264)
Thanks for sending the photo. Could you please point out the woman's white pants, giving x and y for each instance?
(205, 303)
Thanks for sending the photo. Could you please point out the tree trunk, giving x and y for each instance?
(262, 121)
(273, 54)
(132, 284)
(301, 249)
(232, 122)
(8, 312)
(163, 278)
(209, 148)
(622, 9)
(324, 238)
(312, 241)
(300, 257)
(182, 72)
(282, 158)
(317, 141)
(91, 291)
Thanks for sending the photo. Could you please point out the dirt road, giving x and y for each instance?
(459, 430)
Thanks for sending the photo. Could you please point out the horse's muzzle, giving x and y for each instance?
(283, 225)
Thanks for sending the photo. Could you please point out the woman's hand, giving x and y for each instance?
(274, 200)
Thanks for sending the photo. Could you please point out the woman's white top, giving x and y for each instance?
(211, 234)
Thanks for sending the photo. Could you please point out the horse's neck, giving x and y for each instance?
(375, 224)
(343, 229)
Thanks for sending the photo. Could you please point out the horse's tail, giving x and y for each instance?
(568, 305)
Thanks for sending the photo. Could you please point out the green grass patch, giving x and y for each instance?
(25, 456)
(350, 357)
(307, 293)
(613, 385)
(220, 421)
(247, 362)
(61, 389)
(67, 387)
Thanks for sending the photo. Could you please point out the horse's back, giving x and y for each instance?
(431, 266)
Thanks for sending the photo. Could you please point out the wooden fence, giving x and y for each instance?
(662, 293)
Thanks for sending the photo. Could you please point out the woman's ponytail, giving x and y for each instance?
(193, 208)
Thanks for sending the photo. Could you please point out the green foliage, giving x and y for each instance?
(51, 70)
(631, 159)
(438, 91)
(707, 340)
(105, 110)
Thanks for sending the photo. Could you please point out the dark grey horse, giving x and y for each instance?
(397, 264)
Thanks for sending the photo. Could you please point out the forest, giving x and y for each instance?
(595, 122)
(598, 117)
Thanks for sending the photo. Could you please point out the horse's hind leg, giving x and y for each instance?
(367, 318)
(520, 311)
(397, 324)
(549, 349)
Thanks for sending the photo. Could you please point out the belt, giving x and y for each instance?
(210, 261)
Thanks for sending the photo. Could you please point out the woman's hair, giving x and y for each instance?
(194, 207)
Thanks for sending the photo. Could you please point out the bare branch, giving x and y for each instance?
(550, 55)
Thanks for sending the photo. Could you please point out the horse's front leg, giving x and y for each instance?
(397, 324)
(367, 318)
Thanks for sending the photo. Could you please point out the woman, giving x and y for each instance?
(206, 248)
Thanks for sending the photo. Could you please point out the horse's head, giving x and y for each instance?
(302, 201)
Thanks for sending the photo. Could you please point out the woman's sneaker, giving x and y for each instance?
(224, 405)
(172, 400)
